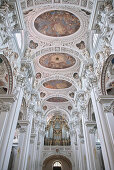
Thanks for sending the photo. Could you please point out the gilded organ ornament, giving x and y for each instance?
(57, 132)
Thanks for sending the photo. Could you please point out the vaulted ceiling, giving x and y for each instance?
(57, 33)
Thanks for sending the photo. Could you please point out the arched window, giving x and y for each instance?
(19, 37)
(57, 165)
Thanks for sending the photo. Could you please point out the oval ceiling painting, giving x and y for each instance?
(57, 23)
(57, 84)
(57, 61)
(57, 99)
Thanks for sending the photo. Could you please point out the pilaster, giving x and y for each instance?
(103, 130)
(10, 117)
(90, 145)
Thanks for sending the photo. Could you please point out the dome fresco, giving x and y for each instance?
(57, 99)
(57, 61)
(57, 84)
(57, 23)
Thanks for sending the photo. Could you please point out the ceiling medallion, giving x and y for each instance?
(57, 84)
(57, 61)
(42, 94)
(69, 107)
(57, 99)
(75, 76)
(57, 23)
(71, 95)
(44, 107)
(38, 75)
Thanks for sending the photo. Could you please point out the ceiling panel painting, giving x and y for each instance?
(57, 84)
(57, 99)
(57, 61)
(57, 23)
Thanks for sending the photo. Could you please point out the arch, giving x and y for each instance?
(9, 70)
(23, 110)
(57, 77)
(63, 96)
(54, 111)
(91, 114)
(103, 74)
(48, 162)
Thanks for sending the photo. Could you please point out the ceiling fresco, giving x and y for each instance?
(57, 61)
(57, 99)
(57, 23)
(57, 84)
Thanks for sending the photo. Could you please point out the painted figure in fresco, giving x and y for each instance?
(57, 23)
(57, 61)
(57, 84)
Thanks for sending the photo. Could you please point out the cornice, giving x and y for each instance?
(23, 122)
(8, 98)
(106, 99)
(89, 123)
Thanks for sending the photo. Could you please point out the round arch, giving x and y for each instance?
(52, 112)
(103, 75)
(9, 72)
(65, 162)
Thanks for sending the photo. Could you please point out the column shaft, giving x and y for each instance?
(90, 145)
(103, 130)
(23, 146)
(9, 131)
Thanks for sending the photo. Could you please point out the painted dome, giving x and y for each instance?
(57, 84)
(57, 99)
(57, 61)
(57, 23)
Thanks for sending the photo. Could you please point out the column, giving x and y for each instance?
(23, 146)
(81, 153)
(32, 149)
(77, 158)
(74, 148)
(103, 130)
(40, 149)
(108, 106)
(8, 127)
(37, 156)
(90, 145)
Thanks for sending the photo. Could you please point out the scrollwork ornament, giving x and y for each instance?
(22, 130)
(4, 107)
(92, 131)
(21, 80)
(109, 107)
